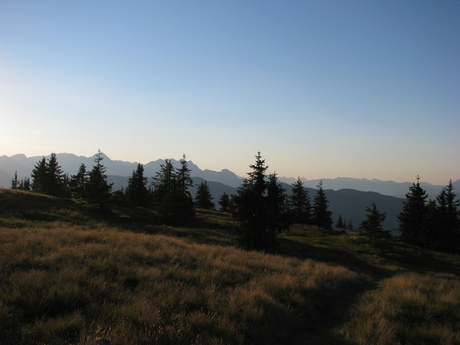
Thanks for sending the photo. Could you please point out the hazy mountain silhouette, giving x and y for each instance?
(70, 164)
(398, 189)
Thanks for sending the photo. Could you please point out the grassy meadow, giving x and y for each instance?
(73, 275)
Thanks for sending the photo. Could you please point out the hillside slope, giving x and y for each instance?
(71, 274)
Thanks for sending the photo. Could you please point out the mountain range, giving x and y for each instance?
(348, 197)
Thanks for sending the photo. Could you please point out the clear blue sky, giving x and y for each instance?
(364, 89)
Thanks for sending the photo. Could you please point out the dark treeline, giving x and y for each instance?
(261, 207)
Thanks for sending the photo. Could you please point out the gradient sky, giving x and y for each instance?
(364, 89)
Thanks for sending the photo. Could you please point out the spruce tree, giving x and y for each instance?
(277, 209)
(340, 223)
(224, 203)
(24, 184)
(412, 217)
(322, 217)
(171, 196)
(372, 225)
(54, 177)
(203, 198)
(164, 181)
(39, 176)
(259, 209)
(98, 188)
(445, 233)
(136, 191)
(183, 176)
(299, 203)
(78, 183)
(15, 181)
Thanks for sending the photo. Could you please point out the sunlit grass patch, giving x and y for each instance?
(408, 309)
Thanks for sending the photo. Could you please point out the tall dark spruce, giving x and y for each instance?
(299, 203)
(203, 198)
(171, 196)
(412, 218)
(259, 209)
(98, 188)
(136, 191)
(372, 226)
(322, 217)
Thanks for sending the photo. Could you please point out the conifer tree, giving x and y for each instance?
(164, 180)
(372, 226)
(203, 198)
(55, 179)
(136, 191)
(171, 196)
(322, 217)
(299, 203)
(15, 181)
(445, 233)
(259, 210)
(183, 176)
(277, 209)
(78, 183)
(412, 217)
(340, 223)
(98, 188)
(431, 224)
(24, 184)
(224, 203)
(39, 176)
(48, 178)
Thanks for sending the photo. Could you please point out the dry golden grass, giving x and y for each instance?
(72, 275)
(408, 309)
(107, 286)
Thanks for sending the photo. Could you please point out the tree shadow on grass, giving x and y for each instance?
(343, 258)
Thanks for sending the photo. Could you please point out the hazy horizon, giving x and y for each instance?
(322, 88)
(243, 175)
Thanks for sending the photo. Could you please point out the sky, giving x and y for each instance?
(323, 89)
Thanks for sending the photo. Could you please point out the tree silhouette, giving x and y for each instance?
(98, 188)
(299, 203)
(412, 217)
(224, 203)
(15, 181)
(259, 209)
(55, 182)
(183, 178)
(203, 198)
(136, 191)
(48, 178)
(78, 183)
(39, 176)
(340, 223)
(171, 196)
(322, 217)
(372, 225)
(444, 232)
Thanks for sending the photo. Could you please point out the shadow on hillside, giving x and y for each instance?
(337, 304)
(331, 256)
(334, 310)
(143, 220)
(417, 259)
